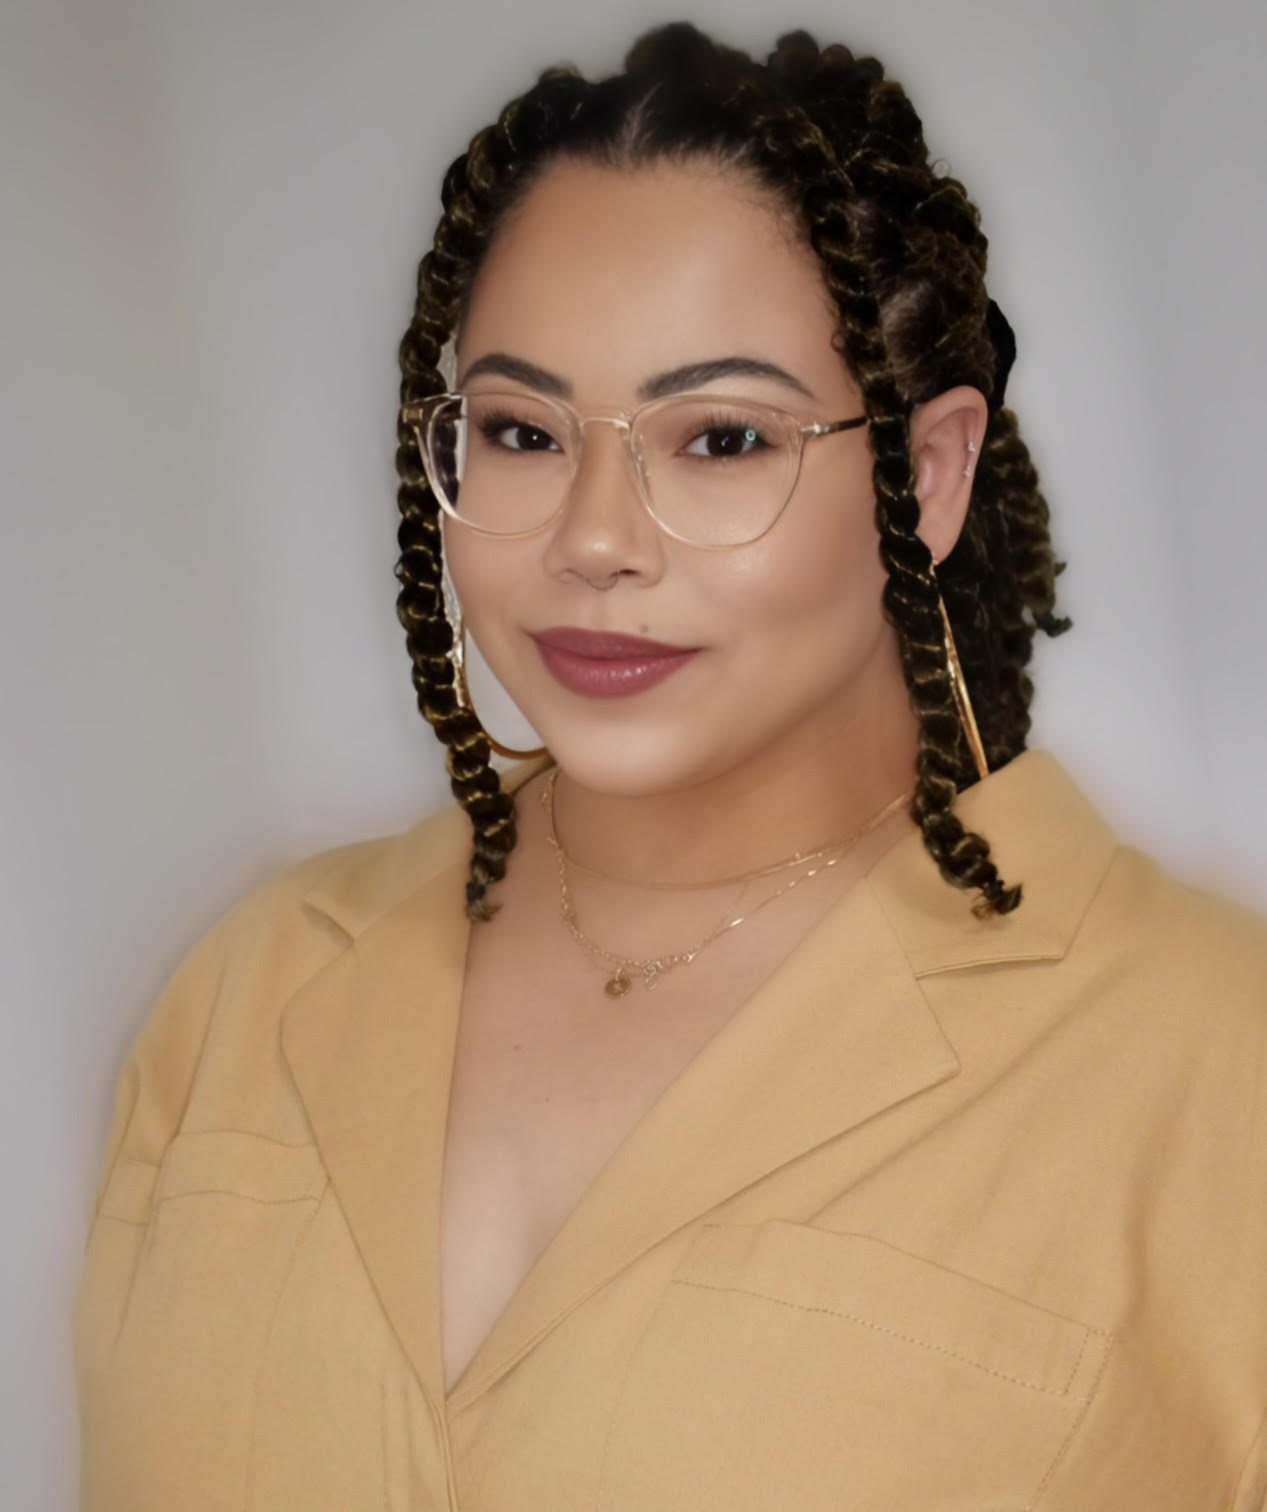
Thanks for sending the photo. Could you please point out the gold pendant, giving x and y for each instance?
(618, 985)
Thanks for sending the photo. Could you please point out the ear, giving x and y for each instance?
(946, 435)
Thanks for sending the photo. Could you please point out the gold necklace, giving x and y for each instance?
(619, 980)
(547, 803)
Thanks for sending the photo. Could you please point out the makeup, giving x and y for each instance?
(601, 664)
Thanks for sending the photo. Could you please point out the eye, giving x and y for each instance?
(725, 436)
(511, 432)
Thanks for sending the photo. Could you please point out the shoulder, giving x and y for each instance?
(287, 926)
(208, 1045)
(1144, 913)
(331, 895)
(1169, 979)
(353, 884)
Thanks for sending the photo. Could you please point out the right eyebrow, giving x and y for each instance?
(518, 370)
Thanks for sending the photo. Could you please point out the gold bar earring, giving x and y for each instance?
(958, 685)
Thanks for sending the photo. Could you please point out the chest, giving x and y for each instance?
(550, 1076)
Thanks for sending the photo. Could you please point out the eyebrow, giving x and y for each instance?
(690, 375)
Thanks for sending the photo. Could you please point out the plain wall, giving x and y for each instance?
(212, 217)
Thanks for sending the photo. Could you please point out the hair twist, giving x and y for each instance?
(468, 198)
(903, 257)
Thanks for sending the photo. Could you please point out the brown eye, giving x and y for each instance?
(722, 437)
(513, 434)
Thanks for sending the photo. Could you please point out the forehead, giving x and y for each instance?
(605, 276)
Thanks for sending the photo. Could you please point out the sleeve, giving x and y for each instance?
(151, 1094)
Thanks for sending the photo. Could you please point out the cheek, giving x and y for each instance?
(484, 574)
(794, 621)
(809, 593)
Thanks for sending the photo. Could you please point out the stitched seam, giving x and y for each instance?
(620, 1397)
(145, 1243)
(880, 1328)
(1068, 1438)
(282, 1144)
(264, 1347)
(1089, 1330)
(919, 959)
(145, 1165)
(232, 1192)
(1086, 1339)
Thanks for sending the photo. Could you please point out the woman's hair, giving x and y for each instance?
(903, 256)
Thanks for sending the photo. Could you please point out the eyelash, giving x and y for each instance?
(491, 426)
(720, 422)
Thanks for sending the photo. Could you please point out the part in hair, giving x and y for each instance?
(903, 256)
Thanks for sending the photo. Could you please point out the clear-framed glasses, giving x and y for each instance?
(713, 470)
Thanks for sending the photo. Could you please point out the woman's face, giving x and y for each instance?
(606, 279)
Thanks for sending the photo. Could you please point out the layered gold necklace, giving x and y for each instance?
(621, 970)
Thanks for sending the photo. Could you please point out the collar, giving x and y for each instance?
(1042, 830)
(838, 1035)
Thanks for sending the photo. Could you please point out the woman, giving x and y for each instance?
(781, 1089)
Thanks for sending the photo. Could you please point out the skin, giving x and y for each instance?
(792, 727)
(795, 715)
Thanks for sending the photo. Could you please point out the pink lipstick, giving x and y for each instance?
(604, 664)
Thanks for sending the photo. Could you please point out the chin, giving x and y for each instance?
(651, 758)
(630, 763)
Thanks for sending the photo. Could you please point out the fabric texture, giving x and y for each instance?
(952, 1215)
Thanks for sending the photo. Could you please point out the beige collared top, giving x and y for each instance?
(951, 1216)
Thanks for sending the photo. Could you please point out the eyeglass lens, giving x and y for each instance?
(718, 471)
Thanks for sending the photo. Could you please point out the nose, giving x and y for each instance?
(604, 530)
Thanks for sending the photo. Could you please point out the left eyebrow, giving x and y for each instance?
(693, 375)
(690, 375)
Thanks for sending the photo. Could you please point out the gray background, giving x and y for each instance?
(212, 216)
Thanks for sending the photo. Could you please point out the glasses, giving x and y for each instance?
(712, 470)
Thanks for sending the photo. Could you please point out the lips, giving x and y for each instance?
(605, 645)
(604, 664)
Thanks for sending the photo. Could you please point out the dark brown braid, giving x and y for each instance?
(903, 256)
(444, 277)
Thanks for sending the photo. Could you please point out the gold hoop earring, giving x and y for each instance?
(958, 686)
(463, 693)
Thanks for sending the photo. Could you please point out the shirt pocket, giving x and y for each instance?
(787, 1365)
(218, 1224)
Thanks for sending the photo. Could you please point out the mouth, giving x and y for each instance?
(604, 645)
(604, 664)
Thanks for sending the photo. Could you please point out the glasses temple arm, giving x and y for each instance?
(826, 428)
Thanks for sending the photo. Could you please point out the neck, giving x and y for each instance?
(823, 780)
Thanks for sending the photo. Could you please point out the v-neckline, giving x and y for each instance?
(837, 1034)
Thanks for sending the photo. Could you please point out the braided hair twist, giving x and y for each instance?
(903, 257)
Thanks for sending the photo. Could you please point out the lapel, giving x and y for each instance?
(838, 1033)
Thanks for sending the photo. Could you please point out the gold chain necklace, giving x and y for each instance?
(619, 980)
